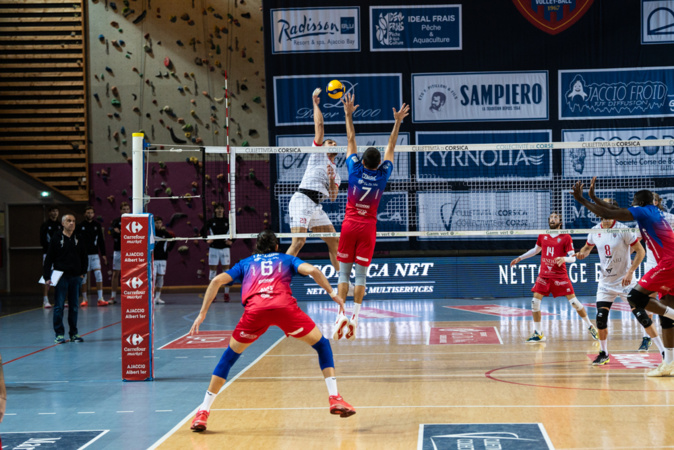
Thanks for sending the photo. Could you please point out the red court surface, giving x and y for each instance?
(464, 335)
(205, 339)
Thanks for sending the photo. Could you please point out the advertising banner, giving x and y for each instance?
(657, 21)
(392, 214)
(415, 28)
(136, 286)
(462, 211)
(290, 167)
(480, 96)
(614, 93)
(304, 30)
(456, 164)
(628, 161)
(376, 95)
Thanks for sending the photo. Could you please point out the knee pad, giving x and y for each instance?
(344, 272)
(211, 274)
(98, 276)
(159, 282)
(226, 362)
(361, 273)
(666, 323)
(535, 304)
(638, 300)
(578, 306)
(602, 314)
(642, 317)
(324, 351)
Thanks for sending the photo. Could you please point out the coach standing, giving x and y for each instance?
(68, 254)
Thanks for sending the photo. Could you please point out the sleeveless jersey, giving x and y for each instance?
(614, 252)
(655, 230)
(365, 189)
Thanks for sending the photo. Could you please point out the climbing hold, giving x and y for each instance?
(180, 43)
(257, 99)
(176, 140)
(101, 38)
(188, 127)
(167, 62)
(115, 102)
(185, 17)
(198, 61)
(96, 97)
(140, 17)
(114, 24)
(173, 19)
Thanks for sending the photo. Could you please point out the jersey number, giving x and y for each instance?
(267, 268)
(607, 249)
(367, 191)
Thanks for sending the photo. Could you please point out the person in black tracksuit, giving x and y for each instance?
(116, 232)
(66, 253)
(91, 233)
(47, 230)
(218, 251)
(160, 253)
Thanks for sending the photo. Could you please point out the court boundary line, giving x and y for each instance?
(227, 384)
(443, 406)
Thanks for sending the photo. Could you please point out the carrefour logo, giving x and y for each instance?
(134, 283)
(133, 227)
(134, 339)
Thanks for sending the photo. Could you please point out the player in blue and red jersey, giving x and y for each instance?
(659, 236)
(268, 300)
(367, 180)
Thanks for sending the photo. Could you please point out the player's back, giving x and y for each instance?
(366, 187)
(553, 247)
(655, 231)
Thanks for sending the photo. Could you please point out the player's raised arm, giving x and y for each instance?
(622, 214)
(319, 132)
(398, 116)
(349, 108)
(598, 200)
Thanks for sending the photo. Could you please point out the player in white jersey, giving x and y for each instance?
(319, 183)
(616, 277)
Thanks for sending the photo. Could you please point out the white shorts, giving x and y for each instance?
(160, 267)
(304, 213)
(218, 255)
(94, 262)
(609, 292)
(116, 260)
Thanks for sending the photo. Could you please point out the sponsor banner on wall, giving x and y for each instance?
(291, 167)
(480, 96)
(456, 164)
(136, 286)
(613, 93)
(392, 214)
(657, 21)
(458, 277)
(463, 211)
(422, 27)
(376, 95)
(577, 216)
(303, 30)
(630, 160)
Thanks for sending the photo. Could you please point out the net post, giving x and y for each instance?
(203, 182)
(138, 205)
(231, 192)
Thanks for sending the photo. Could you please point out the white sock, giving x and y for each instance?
(604, 345)
(209, 398)
(587, 321)
(226, 289)
(157, 294)
(537, 327)
(100, 293)
(657, 340)
(113, 294)
(356, 310)
(331, 382)
(45, 299)
(669, 355)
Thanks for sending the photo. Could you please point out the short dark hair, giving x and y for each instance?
(326, 140)
(218, 205)
(89, 207)
(123, 204)
(643, 197)
(266, 242)
(52, 208)
(371, 158)
(156, 218)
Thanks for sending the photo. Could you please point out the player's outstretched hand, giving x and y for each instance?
(581, 255)
(578, 190)
(315, 97)
(340, 301)
(515, 261)
(591, 192)
(347, 101)
(402, 113)
(560, 261)
(627, 279)
(195, 326)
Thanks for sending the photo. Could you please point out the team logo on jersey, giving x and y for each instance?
(554, 16)
(559, 240)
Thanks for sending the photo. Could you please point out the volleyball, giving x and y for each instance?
(335, 89)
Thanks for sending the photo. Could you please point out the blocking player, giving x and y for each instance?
(91, 233)
(47, 230)
(116, 232)
(218, 249)
(614, 247)
(552, 276)
(319, 183)
(659, 236)
(267, 299)
(367, 180)
(160, 253)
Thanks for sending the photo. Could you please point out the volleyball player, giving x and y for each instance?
(116, 226)
(367, 180)
(614, 247)
(47, 230)
(160, 256)
(91, 233)
(267, 299)
(320, 182)
(218, 249)
(552, 276)
(659, 236)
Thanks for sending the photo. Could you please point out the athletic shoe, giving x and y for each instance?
(84, 304)
(663, 370)
(226, 298)
(646, 343)
(199, 422)
(46, 304)
(60, 339)
(601, 359)
(536, 338)
(102, 302)
(339, 406)
(593, 332)
(340, 329)
(76, 338)
(159, 301)
(112, 301)
(351, 328)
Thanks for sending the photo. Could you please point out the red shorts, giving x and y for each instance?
(558, 287)
(356, 242)
(291, 319)
(660, 278)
